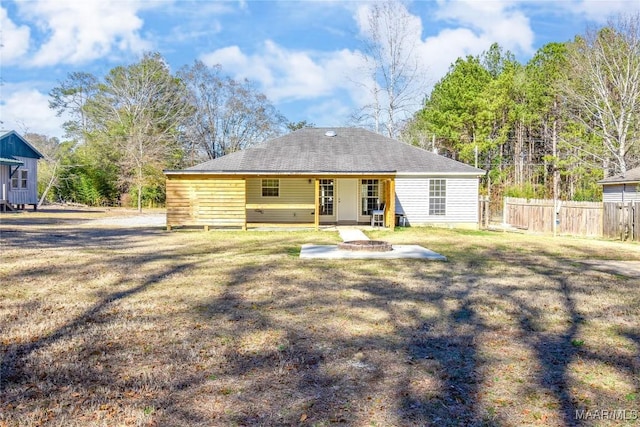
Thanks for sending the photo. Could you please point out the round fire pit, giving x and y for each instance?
(365, 245)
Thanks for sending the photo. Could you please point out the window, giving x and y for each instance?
(326, 197)
(19, 179)
(270, 187)
(437, 196)
(370, 195)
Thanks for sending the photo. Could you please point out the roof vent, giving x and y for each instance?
(330, 133)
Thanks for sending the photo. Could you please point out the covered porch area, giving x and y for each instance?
(254, 201)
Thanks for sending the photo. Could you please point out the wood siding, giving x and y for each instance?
(28, 196)
(230, 201)
(412, 200)
(293, 191)
(622, 220)
(206, 201)
(614, 193)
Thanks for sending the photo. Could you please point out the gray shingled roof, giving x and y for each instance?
(632, 175)
(351, 150)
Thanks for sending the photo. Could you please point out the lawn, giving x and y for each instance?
(114, 326)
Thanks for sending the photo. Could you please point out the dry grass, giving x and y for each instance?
(108, 326)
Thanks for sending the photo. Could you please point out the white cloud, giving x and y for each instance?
(14, 39)
(600, 11)
(330, 112)
(443, 49)
(78, 31)
(495, 21)
(286, 75)
(336, 81)
(27, 110)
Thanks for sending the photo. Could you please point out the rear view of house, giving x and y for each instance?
(317, 176)
(18, 172)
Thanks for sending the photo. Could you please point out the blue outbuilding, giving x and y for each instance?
(18, 172)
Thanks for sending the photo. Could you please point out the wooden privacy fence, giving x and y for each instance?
(539, 215)
(592, 219)
(622, 220)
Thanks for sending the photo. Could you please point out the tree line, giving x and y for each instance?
(549, 128)
(125, 129)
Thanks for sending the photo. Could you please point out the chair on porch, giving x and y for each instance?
(377, 216)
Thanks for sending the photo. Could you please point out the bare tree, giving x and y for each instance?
(49, 168)
(391, 62)
(139, 110)
(603, 85)
(228, 115)
(70, 97)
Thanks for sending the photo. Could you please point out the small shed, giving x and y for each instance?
(622, 188)
(18, 172)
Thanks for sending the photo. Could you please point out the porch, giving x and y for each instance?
(254, 201)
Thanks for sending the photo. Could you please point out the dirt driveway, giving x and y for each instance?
(142, 220)
(622, 268)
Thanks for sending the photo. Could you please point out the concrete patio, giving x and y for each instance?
(347, 234)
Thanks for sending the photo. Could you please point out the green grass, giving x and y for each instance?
(116, 326)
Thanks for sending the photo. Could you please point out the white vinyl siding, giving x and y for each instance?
(291, 191)
(412, 200)
(613, 193)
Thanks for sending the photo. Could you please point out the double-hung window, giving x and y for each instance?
(370, 192)
(19, 180)
(437, 197)
(270, 188)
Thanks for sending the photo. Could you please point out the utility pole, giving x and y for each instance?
(554, 141)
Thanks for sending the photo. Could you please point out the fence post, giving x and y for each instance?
(629, 225)
(487, 211)
(632, 220)
(623, 220)
(504, 213)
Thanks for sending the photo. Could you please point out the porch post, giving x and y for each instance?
(244, 224)
(391, 204)
(316, 212)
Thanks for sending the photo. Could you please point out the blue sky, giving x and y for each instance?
(304, 55)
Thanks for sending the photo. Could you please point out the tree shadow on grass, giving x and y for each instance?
(308, 370)
(70, 238)
(11, 369)
(92, 365)
(288, 342)
(556, 350)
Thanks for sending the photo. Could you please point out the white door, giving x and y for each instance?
(347, 200)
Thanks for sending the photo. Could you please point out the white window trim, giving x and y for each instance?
(17, 177)
(377, 183)
(262, 187)
(332, 197)
(444, 213)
